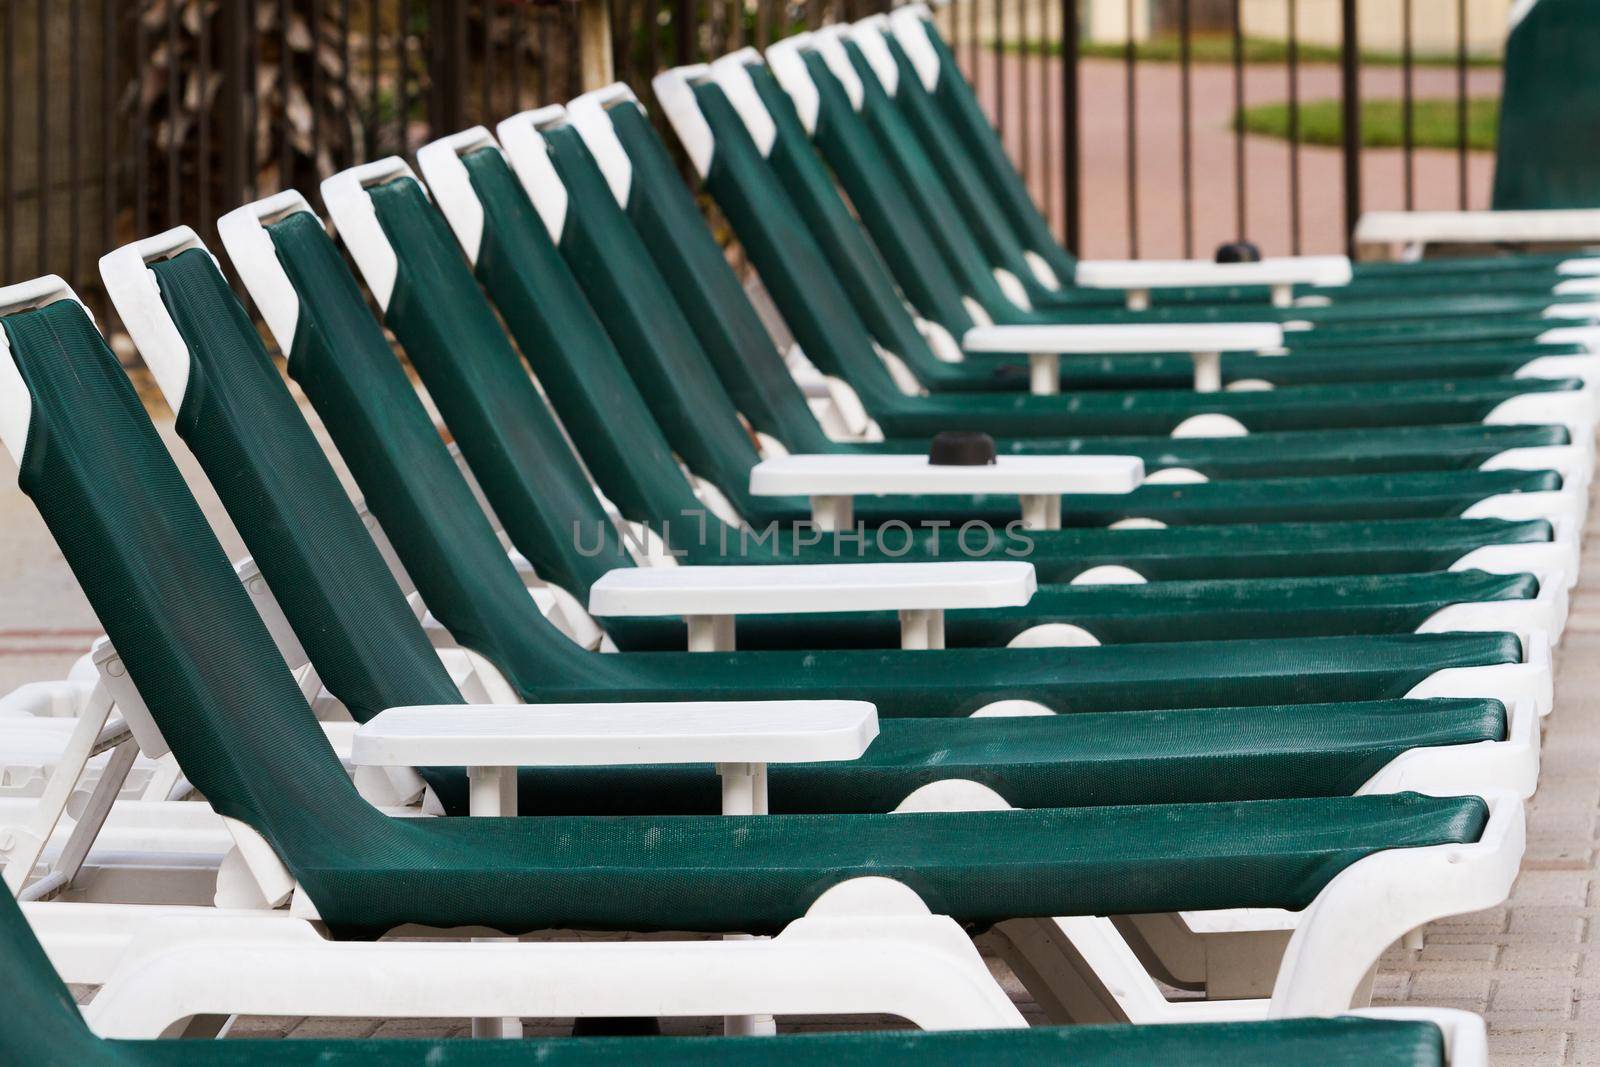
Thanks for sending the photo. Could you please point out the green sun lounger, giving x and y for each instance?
(664, 353)
(911, 141)
(497, 619)
(1536, 166)
(767, 111)
(362, 636)
(221, 696)
(823, 317)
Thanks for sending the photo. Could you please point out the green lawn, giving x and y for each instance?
(1434, 122)
(1218, 48)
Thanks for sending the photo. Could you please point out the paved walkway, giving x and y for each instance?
(1531, 967)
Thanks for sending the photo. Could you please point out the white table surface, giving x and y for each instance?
(597, 735)
(810, 588)
(1111, 339)
(865, 475)
(1146, 273)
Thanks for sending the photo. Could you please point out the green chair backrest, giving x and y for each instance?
(793, 267)
(865, 145)
(656, 340)
(933, 290)
(506, 431)
(573, 357)
(42, 1024)
(892, 81)
(162, 587)
(969, 123)
(1548, 155)
(439, 531)
(671, 225)
(241, 423)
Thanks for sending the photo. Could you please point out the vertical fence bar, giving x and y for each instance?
(403, 53)
(1241, 181)
(285, 80)
(1130, 70)
(234, 132)
(1462, 174)
(574, 47)
(203, 122)
(998, 48)
(108, 125)
(1024, 104)
(976, 45)
(1408, 102)
(42, 144)
(174, 110)
(1186, 120)
(141, 124)
(374, 84)
(314, 25)
(251, 46)
(8, 138)
(1350, 106)
(683, 31)
(519, 45)
(486, 65)
(1049, 148)
(74, 139)
(1071, 175)
(346, 101)
(1294, 128)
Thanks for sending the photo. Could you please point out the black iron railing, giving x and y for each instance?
(119, 118)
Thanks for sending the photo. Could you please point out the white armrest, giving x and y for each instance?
(859, 475)
(812, 588)
(1100, 340)
(600, 735)
(1201, 273)
(1479, 227)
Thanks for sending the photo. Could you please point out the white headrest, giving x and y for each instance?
(524, 146)
(244, 236)
(356, 221)
(787, 64)
(451, 186)
(16, 403)
(133, 288)
(732, 74)
(587, 114)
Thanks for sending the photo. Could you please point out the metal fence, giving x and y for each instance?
(1129, 144)
(119, 118)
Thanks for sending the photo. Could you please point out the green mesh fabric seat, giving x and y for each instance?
(243, 734)
(1537, 166)
(43, 1026)
(937, 293)
(235, 404)
(369, 650)
(825, 315)
(652, 336)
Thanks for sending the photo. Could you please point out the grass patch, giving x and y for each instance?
(1218, 48)
(1434, 123)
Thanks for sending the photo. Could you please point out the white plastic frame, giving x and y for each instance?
(353, 216)
(523, 144)
(249, 247)
(440, 164)
(16, 402)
